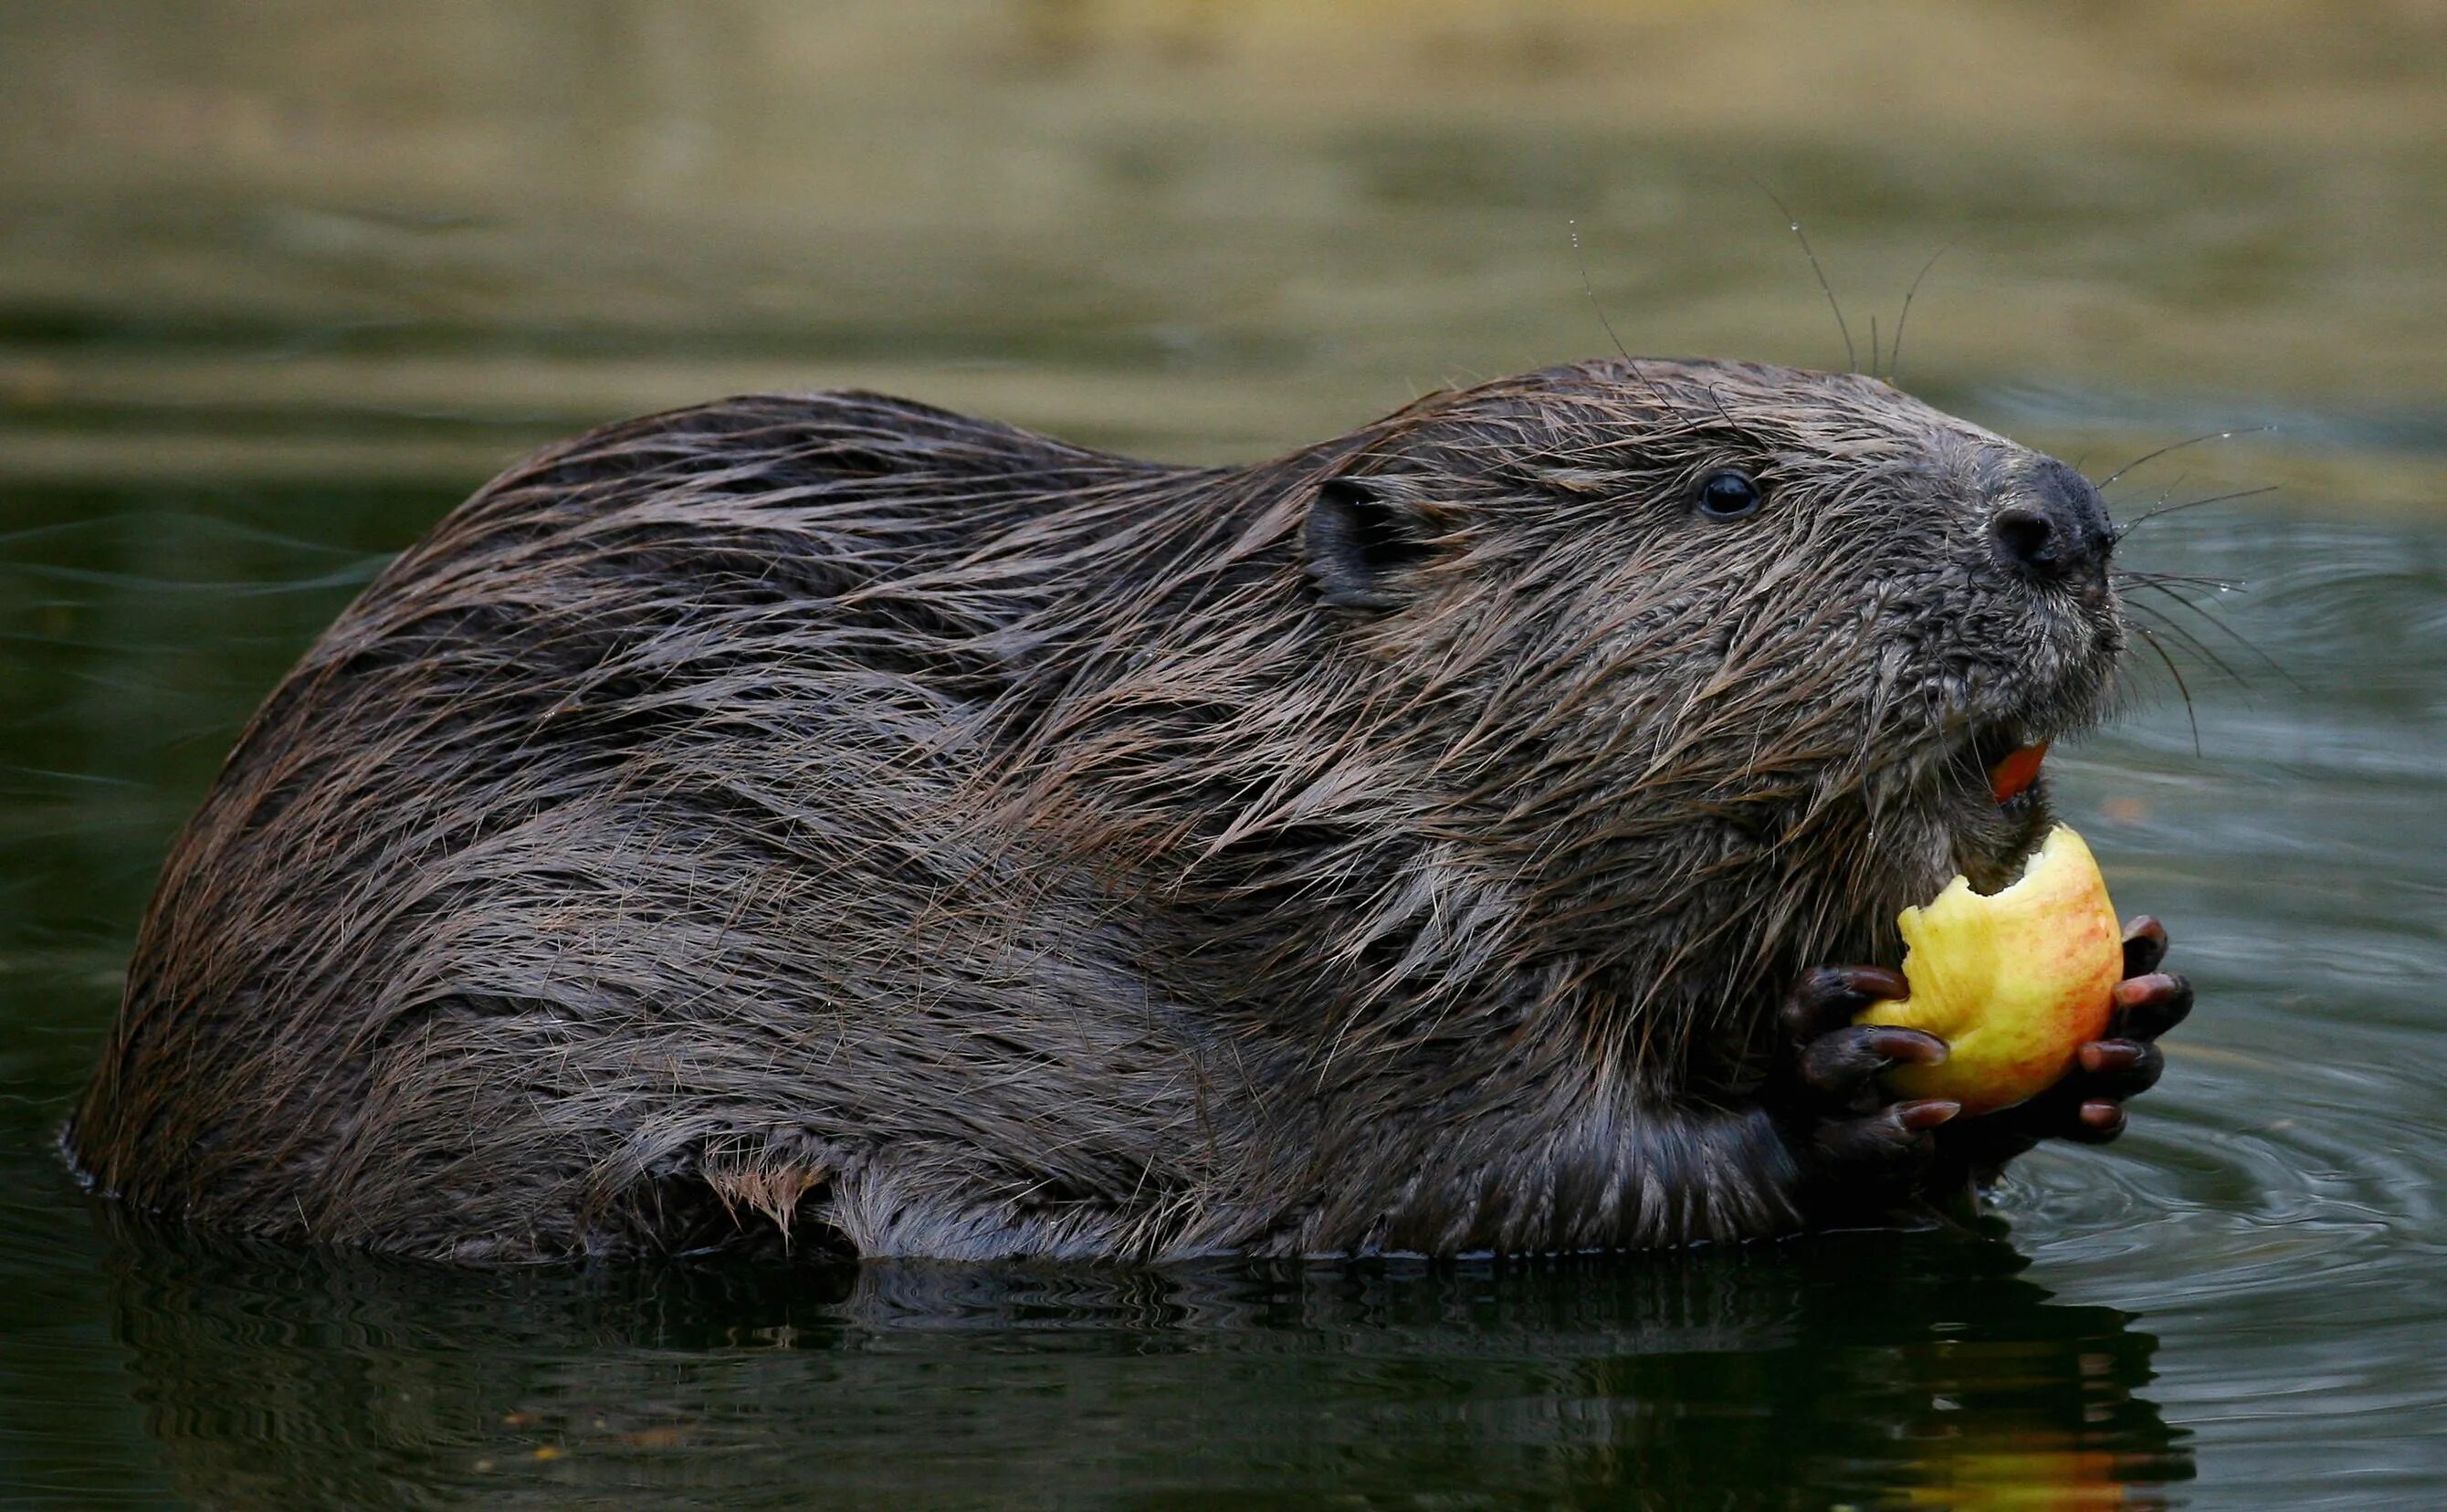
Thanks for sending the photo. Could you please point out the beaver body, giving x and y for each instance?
(831, 820)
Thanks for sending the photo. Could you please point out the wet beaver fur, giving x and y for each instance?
(833, 822)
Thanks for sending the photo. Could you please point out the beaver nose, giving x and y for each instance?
(2057, 531)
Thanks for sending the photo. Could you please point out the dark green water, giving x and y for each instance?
(273, 297)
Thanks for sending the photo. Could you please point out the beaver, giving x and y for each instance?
(835, 824)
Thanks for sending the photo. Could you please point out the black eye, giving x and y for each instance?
(1728, 495)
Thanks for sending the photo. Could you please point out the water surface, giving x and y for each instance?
(273, 297)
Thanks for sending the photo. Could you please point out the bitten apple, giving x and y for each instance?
(2014, 981)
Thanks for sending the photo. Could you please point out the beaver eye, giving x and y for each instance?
(1728, 495)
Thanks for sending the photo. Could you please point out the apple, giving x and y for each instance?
(2014, 981)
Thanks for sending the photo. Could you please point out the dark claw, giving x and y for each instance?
(1896, 1135)
(2120, 1068)
(2085, 1105)
(1857, 1158)
(1828, 996)
(2145, 946)
(1823, 1088)
(2148, 1006)
(1926, 1113)
(1841, 1064)
(2095, 1122)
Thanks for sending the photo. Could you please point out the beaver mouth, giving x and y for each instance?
(1995, 791)
(2011, 760)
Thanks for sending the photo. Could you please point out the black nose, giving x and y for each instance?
(2055, 530)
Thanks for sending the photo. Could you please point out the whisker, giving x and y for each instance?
(2229, 632)
(2215, 435)
(1851, 357)
(2181, 686)
(2195, 503)
(2164, 494)
(2191, 642)
(1587, 287)
(2138, 575)
(1896, 361)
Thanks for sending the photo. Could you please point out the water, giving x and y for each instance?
(273, 296)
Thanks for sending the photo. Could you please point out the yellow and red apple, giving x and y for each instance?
(2014, 981)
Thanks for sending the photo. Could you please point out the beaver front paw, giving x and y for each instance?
(2087, 1106)
(1860, 1155)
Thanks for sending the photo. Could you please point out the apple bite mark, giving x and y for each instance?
(2015, 982)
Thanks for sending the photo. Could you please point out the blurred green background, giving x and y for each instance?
(281, 282)
(287, 239)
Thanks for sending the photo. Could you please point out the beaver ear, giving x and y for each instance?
(1359, 538)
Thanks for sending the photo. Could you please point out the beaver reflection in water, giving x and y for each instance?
(830, 819)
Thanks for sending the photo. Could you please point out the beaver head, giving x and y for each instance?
(1673, 677)
(1726, 652)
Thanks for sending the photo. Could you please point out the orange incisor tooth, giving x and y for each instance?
(2011, 777)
